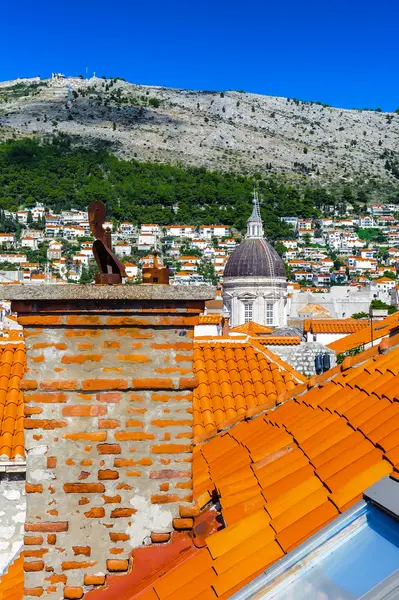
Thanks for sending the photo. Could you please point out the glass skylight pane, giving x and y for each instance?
(346, 566)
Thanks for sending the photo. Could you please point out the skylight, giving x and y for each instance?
(348, 560)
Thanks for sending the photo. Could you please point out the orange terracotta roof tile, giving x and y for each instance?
(252, 329)
(12, 581)
(334, 325)
(363, 336)
(236, 376)
(274, 340)
(12, 364)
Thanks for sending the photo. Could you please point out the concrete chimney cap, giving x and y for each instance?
(26, 292)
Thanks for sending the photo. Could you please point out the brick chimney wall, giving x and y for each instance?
(108, 429)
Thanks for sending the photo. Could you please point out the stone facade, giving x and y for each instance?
(108, 393)
(259, 292)
(302, 357)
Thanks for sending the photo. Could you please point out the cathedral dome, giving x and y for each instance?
(254, 258)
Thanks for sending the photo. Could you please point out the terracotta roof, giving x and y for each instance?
(12, 363)
(252, 328)
(384, 280)
(334, 325)
(12, 581)
(234, 378)
(314, 308)
(363, 336)
(281, 340)
(210, 319)
(275, 480)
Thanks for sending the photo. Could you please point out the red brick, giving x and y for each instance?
(181, 524)
(44, 424)
(85, 346)
(94, 579)
(81, 550)
(118, 513)
(59, 384)
(51, 462)
(111, 499)
(31, 410)
(110, 398)
(119, 537)
(109, 449)
(133, 435)
(82, 333)
(160, 538)
(40, 320)
(104, 384)
(108, 424)
(107, 474)
(134, 358)
(47, 397)
(188, 383)
(73, 592)
(164, 498)
(57, 578)
(100, 436)
(169, 474)
(170, 449)
(153, 383)
(135, 423)
(83, 320)
(33, 565)
(28, 384)
(76, 564)
(47, 526)
(51, 539)
(114, 565)
(95, 513)
(172, 423)
(84, 411)
(84, 488)
(37, 592)
(81, 359)
(32, 489)
(110, 344)
(33, 540)
(172, 346)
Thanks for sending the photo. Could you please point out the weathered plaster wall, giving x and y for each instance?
(108, 434)
(12, 518)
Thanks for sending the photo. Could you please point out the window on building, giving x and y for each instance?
(248, 312)
(270, 313)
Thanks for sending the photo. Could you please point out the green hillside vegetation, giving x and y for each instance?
(63, 177)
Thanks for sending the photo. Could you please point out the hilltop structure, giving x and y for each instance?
(255, 281)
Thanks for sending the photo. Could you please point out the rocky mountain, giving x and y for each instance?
(230, 130)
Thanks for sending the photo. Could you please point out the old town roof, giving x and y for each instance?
(334, 325)
(276, 479)
(236, 376)
(12, 363)
(380, 329)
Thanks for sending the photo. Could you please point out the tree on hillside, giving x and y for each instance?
(390, 274)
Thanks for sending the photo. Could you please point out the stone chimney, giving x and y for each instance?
(108, 428)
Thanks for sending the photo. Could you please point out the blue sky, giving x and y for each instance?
(344, 53)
